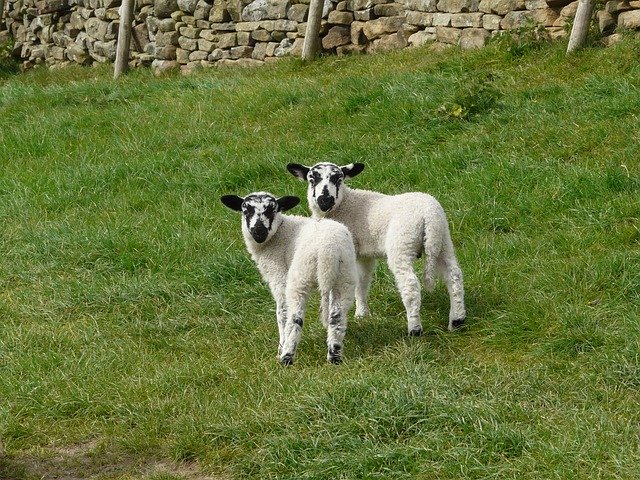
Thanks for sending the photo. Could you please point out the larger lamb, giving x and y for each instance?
(399, 227)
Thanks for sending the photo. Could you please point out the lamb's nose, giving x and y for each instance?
(259, 232)
(326, 202)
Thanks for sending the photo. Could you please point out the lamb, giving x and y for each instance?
(295, 254)
(399, 227)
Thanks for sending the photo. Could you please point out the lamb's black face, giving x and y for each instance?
(261, 212)
(325, 181)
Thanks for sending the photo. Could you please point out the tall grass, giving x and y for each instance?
(135, 328)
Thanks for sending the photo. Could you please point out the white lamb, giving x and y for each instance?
(295, 254)
(398, 227)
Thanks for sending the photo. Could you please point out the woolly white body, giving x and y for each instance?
(300, 255)
(400, 228)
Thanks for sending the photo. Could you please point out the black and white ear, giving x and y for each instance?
(298, 171)
(351, 170)
(234, 202)
(287, 203)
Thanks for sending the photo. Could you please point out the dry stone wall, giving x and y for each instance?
(192, 34)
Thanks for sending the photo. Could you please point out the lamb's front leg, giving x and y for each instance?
(366, 267)
(281, 317)
(336, 329)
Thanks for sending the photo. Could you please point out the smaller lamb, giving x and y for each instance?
(295, 254)
(399, 227)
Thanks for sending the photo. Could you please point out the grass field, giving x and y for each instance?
(138, 342)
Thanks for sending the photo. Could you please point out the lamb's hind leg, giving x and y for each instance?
(401, 265)
(366, 267)
(452, 276)
(336, 329)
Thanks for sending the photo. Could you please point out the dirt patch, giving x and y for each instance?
(91, 461)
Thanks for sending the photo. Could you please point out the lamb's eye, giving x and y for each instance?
(312, 181)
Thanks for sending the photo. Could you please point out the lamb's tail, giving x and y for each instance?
(436, 237)
(336, 274)
(328, 270)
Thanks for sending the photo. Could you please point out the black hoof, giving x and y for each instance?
(335, 354)
(287, 359)
(415, 331)
(457, 323)
(335, 359)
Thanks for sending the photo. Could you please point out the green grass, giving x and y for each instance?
(137, 341)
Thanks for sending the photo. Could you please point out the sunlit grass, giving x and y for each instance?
(134, 321)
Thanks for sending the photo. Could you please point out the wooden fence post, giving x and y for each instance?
(580, 25)
(312, 35)
(124, 38)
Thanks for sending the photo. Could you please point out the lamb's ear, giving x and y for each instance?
(298, 171)
(352, 169)
(287, 203)
(234, 202)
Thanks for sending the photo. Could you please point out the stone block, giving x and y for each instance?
(421, 37)
(491, 21)
(187, 43)
(448, 35)
(501, 7)
(337, 36)
(381, 26)
(386, 43)
(298, 12)
(421, 19)
(472, 38)
(261, 36)
(421, 5)
(441, 19)
(167, 38)
(206, 45)
(202, 10)
(166, 53)
(464, 20)
(388, 9)
(265, 9)
(219, 12)
(259, 51)
(198, 55)
(617, 6)
(340, 18)
(285, 25)
(366, 4)
(97, 28)
(164, 8)
(244, 39)
(520, 19)
(364, 15)
(242, 51)
(630, 19)
(535, 4)
(227, 40)
(187, 6)
(357, 33)
(190, 32)
(223, 27)
(182, 56)
(458, 6)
